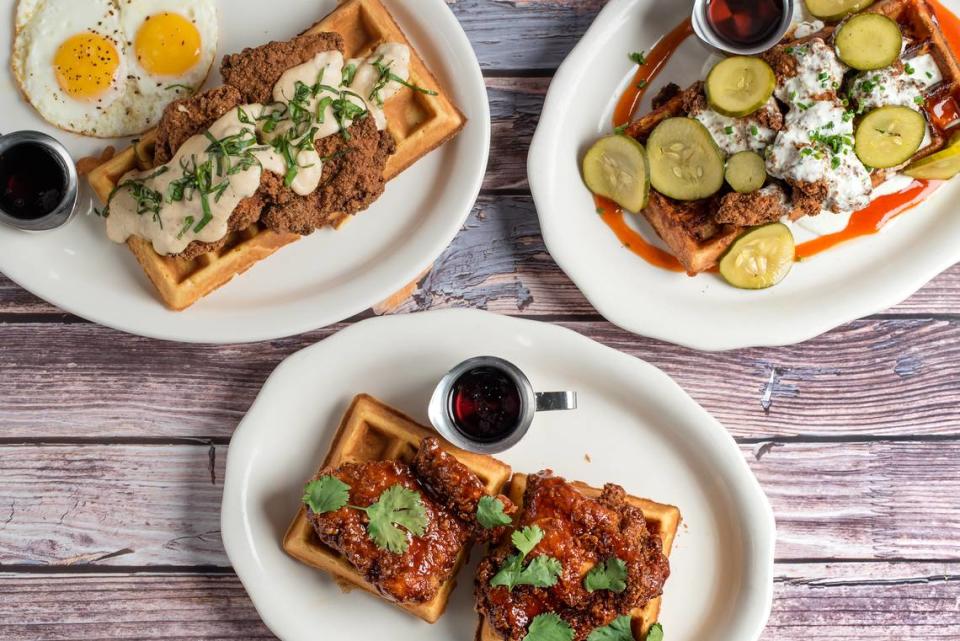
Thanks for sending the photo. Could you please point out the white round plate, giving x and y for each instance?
(319, 280)
(853, 280)
(634, 426)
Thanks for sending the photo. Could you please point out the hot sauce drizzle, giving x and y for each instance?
(862, 223)
(609, 212)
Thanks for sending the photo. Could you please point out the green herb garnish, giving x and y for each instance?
(398, 507)
(639, 57)
(490, 513)
(548, 627)
(542, 572)
(326, 494)
(609, 575)
(618, 630)
(655, 633)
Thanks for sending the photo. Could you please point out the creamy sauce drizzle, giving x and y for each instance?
(312, 101)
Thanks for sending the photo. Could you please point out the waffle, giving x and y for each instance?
(687, 229)
(418, 122)
(661, 519)
(372, 431)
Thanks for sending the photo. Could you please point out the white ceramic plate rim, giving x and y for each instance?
(756, 515)
(884, 288)
(434, 231)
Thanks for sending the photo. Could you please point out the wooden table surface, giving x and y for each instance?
(112, 447)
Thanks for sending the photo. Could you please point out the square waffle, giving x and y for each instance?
(418, 122)
(699, 245)
(663, 520)
(373, 431)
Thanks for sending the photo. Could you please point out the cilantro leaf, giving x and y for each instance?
(527, 538)
(397, 507)
(549, 627)
(326, 494)
(618, 630)
(639, 57)
(508, 574)
(490, 513)
(542, 572)
(655, 633)
(609, 575)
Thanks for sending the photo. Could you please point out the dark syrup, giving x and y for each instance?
(745, 22)
(32, 182)
(485, 404)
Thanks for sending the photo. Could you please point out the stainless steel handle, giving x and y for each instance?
(553, 401)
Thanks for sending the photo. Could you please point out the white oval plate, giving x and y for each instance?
(316, 281)
(858, 278)
(637, 427)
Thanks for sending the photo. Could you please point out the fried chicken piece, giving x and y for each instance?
(189, 117)
(414, 576)
(665, 95)
(352, 181)
(807, 199)
(455, 486)
(579, 532)
(255, 71)
(353, 172)
(763, 206)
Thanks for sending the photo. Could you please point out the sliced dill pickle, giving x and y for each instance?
(833, 10)
(869, 41)
(889, 136)
(616, 168)
(685, 162)
(761, 258)
(739, 85)
(943, 165)
(746, 172)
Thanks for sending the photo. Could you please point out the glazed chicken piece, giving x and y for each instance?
(449, 492)
(579, 532)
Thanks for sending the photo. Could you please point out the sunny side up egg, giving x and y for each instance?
(108, 68)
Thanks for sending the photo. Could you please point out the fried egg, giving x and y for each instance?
(108, 68)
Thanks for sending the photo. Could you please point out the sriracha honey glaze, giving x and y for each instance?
(945, 113)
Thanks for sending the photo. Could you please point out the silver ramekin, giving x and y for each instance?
(706, 33)
(531, 403)
(67, 207)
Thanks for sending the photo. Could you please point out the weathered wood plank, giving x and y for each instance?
(101, 505)
(832, 602)
(527, 35)
(873, 377)
(125, 505)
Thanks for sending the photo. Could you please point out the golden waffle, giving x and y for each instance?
(663, 520)
(372, 431)
(419, 123)
(698, 251)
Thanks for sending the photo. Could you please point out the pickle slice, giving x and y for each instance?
(685, 162)
(833, 10)
(943, 165)
(869, 41)
(738, 86)
(889, 136)
(746, 172)
(760, 258)
(616, 168)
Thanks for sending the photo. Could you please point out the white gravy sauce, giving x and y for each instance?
(154, 205)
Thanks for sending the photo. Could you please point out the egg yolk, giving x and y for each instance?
(168, 45)
(86, 65)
